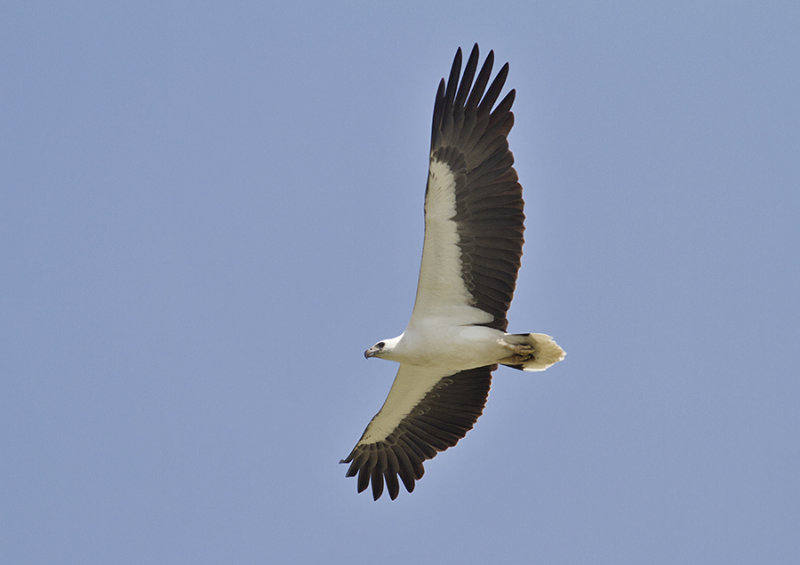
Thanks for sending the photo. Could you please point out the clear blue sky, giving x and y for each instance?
(208, 212)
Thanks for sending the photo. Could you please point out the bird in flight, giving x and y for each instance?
(471, 254)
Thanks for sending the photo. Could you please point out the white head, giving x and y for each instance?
(382, 349)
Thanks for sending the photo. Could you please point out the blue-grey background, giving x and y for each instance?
(209, 210)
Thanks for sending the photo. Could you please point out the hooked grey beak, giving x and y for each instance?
(370, 353)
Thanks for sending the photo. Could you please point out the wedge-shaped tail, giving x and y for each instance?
(545, 351)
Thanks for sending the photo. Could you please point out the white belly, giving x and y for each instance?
(452, 347)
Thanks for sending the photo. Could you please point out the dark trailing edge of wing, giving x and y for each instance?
(472, 139)
(442, 417)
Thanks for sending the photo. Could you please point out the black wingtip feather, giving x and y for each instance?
(452, 82)
(480, 83)
(377, 483)
(495, 89)
(466, 79)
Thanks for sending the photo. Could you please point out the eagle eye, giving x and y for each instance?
(380, 345)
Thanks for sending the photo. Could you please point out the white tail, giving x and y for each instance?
(545, 352)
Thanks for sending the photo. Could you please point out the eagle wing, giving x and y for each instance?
(474, 220)
(425, 413)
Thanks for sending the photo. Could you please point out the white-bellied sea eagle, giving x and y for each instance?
(471, 254)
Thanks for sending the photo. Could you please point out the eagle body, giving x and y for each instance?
(437, 344)
(456, 337)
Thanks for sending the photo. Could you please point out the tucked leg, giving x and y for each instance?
(520, 352)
